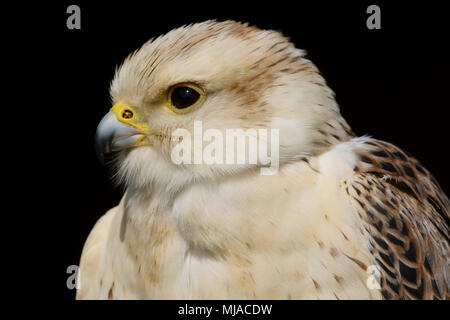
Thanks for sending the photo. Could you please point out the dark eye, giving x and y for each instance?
(183, 97)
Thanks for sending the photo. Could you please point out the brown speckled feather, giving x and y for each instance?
(406, 217)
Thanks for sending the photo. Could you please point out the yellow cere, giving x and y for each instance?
(126, 114)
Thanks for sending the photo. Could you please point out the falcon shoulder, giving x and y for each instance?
(405, 216)
(92, 253)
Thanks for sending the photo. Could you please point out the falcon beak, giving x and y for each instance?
(118, 130)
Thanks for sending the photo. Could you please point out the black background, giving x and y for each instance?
(390, 83)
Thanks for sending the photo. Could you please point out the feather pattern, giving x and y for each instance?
(405, 215)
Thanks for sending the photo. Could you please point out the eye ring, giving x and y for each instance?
(184, 97)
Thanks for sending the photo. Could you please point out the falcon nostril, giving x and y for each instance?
(127, 114)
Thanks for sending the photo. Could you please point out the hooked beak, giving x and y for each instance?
(118, 130)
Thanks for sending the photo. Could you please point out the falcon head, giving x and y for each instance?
(227, 75)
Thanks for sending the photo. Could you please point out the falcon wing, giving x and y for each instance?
(405, 214)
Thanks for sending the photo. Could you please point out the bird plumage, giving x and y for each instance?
(337, 205)
(405, 215)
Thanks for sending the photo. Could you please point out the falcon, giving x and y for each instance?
(344, 217)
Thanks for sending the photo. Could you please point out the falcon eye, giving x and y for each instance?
(183, 97)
